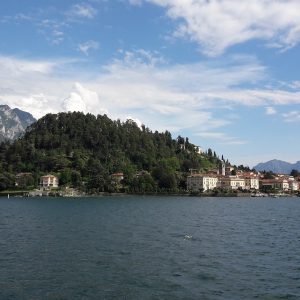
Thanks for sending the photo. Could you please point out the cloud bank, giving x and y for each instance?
(139, 84)
(217, 25)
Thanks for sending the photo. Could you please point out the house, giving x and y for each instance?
(293, 184)
(49, 181)
(200, 182)
(198, 150)
(24, 179)
(251, 182)
(117, 177)
(281, 184)
(232, 183)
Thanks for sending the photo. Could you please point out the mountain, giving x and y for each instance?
(278, 166)
(13, 122)
(85, 150)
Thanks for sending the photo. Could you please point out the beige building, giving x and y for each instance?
(199, 182)
(251, 183)
(232, 183)
(280, 184)
(49, 181)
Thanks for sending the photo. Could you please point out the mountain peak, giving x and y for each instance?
(4, 107)
(13, 122)
(277, 166)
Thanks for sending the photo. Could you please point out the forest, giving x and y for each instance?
(85, 150)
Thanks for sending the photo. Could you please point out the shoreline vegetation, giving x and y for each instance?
(76, 193)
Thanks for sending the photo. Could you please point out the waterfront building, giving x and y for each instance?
(49, 181)
(281, 184)
(251, 182)
(293, 184)
(201, 182)
(232, 183)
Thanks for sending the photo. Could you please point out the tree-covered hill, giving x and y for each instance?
(84, 150)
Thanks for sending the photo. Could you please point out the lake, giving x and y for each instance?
(136, 247)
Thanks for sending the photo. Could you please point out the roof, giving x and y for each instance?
(117, 174)
(49, 175)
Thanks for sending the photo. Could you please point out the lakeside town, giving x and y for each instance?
(230, 179)
(225, 180)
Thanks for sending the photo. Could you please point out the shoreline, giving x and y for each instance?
(58, 194)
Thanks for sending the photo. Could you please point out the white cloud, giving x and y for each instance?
(83, 100)
(271, 110)
(217, 25)
(136, 2)
(15, 66)
(295, 85)
(87, 46)
(221, 138)
(82, 10)
(292, 116)
(163, 96)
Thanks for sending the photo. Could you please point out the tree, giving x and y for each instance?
(269, 175)
(295, 173)
(88, 149)
(167, 181)
(209, 152)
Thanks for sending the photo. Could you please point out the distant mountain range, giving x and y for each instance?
(278, 166)
(13, 122)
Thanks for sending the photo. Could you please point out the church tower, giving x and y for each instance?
(222, 168)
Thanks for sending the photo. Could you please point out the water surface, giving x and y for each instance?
(150, 248)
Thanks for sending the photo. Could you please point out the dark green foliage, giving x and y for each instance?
(295, 173)
(269, 175)
(84, 150)
(233, 172)
(7, 181)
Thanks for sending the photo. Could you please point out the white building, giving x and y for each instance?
(199, 182)
(232, 183)
(198, 149)
(49, 181)
(293, 184)
(251, 183)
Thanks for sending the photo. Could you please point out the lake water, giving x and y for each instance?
(150, 248)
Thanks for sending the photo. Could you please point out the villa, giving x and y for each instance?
(199, 182)
(49, 181)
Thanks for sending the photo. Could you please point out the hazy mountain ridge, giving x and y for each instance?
(278, 166)
(13, 122)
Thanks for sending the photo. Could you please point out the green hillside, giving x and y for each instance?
(84, 150)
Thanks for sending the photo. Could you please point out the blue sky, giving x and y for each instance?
(225, 73)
